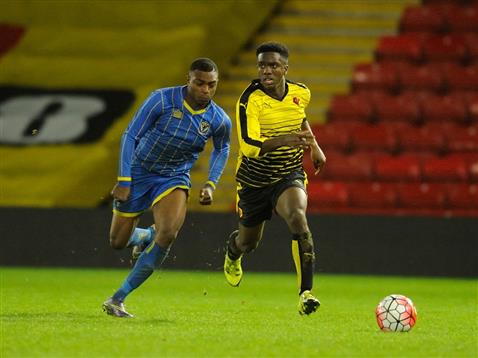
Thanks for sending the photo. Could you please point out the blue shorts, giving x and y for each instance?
(147, 189)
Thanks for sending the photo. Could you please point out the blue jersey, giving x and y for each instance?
(166, 136)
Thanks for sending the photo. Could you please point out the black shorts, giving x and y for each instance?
(256, 205)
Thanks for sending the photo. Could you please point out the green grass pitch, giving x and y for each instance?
(57, 313)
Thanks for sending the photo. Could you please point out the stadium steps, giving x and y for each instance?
(326, 39)
(84, 45)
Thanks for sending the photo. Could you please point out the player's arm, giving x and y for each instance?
(141, 122)
(248, 128)
(221, 147)
(316, 153)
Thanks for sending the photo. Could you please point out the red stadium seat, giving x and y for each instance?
(406, 47)
(445, 48)
(421, 196)
(463, 18)
(396, 108)
(425, 138)
(471, 103)
(327, 195)
(375, 76)
(444, 108)
(463, 196)
(422, 19)
(400, 168)
(372, 195)
(351, 107)
(463, 139)
(427, 77)
(471, 41)
(374, 138)
(459, 78)
(471, 160)
(334, 135)
(445, 169)
(348, 167)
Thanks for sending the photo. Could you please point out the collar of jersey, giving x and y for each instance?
(188, 107)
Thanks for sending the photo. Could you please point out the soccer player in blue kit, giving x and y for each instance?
(158, 149)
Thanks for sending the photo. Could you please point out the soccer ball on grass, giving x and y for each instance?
(396, 313)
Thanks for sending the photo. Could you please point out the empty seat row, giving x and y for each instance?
(438, 18)
(401, 168)
(391, 197)
(423, 47)
(396, 77)
(439, 137)
(411, 107)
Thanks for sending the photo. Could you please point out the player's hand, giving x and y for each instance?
(205, 195)
(121, 193)
(318, 158)
(302, 139)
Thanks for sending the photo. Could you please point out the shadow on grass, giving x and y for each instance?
(74, 317)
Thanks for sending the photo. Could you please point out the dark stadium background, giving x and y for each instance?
(394, 105)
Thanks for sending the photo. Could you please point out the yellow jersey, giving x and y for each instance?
(260, 117)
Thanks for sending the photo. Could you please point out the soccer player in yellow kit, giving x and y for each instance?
(273, 132)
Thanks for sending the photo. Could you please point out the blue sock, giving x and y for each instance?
(151, 258)
(141, 236)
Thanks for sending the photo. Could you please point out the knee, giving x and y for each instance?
(297, 221)
(116, 243)
(166, 236)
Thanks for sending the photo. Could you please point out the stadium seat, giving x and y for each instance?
(471, 160)
(402, 108)
(405, 47)
(459, 78)
(421, 196)
(352, 107)
(471, 41)
(421, 139)
(428, 77)
(356, 166)
(374, 138)
(463, 196)
(463, 139)
(437, 108)
(471, 103)
(334, 135)
(375, 76)
(372, 195)
(417, 18)
(327, 195)
(446, 48)
(400, 168)
(463, 18)
(444, 169)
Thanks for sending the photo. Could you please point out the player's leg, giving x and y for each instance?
(169, 214)
(124, 233)
(291, 206)
(240, 242)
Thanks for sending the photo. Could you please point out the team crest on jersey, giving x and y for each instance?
(297, 101)
(204, 127)
(177, 114)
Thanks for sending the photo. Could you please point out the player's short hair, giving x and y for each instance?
(271, 46)
(203, 64)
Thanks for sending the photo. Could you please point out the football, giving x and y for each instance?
(396, 313)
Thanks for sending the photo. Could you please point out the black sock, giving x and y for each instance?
(232, 250)
(304, 259)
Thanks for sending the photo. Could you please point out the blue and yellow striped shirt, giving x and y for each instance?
(166, 136)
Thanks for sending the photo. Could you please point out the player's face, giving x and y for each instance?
(272, 69)
(201, 87)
